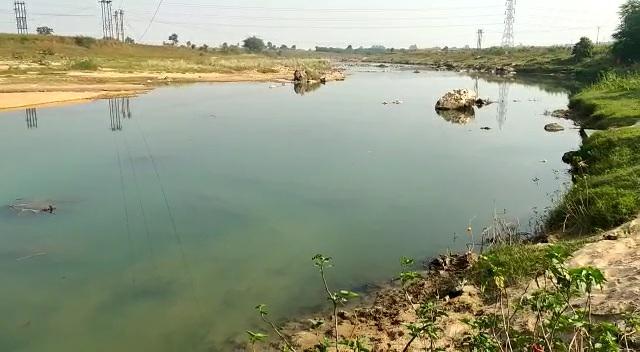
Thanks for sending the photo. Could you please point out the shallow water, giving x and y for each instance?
(180, 210)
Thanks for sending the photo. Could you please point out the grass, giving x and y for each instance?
(519, 263)
(606, 192)
(46, 54)
(613, 101)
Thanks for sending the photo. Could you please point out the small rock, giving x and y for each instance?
(553, 127)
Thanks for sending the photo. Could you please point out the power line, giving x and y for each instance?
(155, 13)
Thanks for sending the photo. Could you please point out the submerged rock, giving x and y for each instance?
(553, 127)
(459, 99)
(22, 206)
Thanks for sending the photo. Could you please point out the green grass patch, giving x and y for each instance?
(84, 65)
(606, 192)
(517, 263)
(614, 101)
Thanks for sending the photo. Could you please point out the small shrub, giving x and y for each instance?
(583, 49)
(85, 42)
(84, 65)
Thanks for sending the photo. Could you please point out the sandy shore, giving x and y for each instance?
(75, 86)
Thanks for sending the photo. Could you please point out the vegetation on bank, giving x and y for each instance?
(51, 54)
(611, 102)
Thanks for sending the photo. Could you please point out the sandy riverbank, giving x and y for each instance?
(22, 91)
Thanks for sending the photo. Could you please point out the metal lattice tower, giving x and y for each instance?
(118, 19)
(510, 15)
(480, 37)
(20, 8)
(107, 20)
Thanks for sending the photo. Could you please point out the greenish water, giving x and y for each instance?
(211, 199)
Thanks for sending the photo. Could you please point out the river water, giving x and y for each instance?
(180, 210)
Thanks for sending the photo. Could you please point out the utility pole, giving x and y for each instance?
(20, 8)
(508, 40)
(107, 21)
(480, 37)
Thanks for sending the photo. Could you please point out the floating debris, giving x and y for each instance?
(31, 256)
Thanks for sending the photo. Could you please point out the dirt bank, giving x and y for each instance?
(30, 90)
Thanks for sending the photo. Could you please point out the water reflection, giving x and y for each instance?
(460, 117)
(303, 88)
(503, 103)
(31, 118)
(119, 109)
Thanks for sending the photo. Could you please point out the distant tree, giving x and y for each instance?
(270, 46)
(583, 49)
(129, 40)
(350, 47)
(253, 44)
(193, 46)
(283, 47)
(173, 38)
(188, 43)
(627, 44)
(225, 46)
(413, 47)
(204, 47)
(294, 47)
(44, 30)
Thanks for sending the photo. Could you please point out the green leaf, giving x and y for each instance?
(256, 336)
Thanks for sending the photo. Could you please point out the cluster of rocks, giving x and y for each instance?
(458, 106)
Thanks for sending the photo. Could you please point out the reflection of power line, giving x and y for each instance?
(475, 87)
(504, 103)
(32, 118)
(119, 109)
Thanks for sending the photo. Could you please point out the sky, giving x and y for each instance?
(337, 23)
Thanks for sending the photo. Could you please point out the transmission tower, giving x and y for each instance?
(480, 37)
(510, 14)
(118, 19)
(107, 20)
(20, 8)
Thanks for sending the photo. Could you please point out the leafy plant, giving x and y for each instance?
(255, 337)
(262, 310)
(337, 298)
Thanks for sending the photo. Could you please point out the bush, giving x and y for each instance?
(84, 65)
(85, 42)
(254, 44)
(583, 49)
(627, 45)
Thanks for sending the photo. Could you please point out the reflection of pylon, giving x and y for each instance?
(475, 87)
(31, 118)
(119, 109)
(504, 103)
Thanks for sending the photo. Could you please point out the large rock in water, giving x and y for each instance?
(459, 99)
(553, 127)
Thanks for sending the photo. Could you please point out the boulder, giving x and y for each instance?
(299, 76)
(459, 99)
(553, 127)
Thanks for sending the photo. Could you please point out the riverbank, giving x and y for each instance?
(468, 303)
(36, 70)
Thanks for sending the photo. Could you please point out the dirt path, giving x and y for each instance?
(618, 256)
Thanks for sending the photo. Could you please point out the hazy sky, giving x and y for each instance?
(308, 23)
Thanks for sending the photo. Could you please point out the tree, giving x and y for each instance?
(44, 30)
(129, 40)
(413, 47)
(270, 45)
(188, 43)
(225, 46)
(294, 47)
(583, 49)
(350, 47)
(204, 47)
(253, 44)
(173, 39)
(284, 47)
(627, 45)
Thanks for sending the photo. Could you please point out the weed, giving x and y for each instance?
(84, 65)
